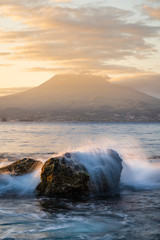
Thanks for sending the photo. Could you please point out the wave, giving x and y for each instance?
(24, 185)
(138, 171)
(102, 165)
(140, 175)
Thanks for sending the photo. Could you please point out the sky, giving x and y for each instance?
(117, 38)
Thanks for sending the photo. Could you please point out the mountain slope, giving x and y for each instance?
(76, 95)
(149, 84)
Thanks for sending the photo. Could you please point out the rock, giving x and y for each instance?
(21, 167)
(63, 177)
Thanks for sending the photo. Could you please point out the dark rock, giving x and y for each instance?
(63, 178)
(21, 167)
(67, 154)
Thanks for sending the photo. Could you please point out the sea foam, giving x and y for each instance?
(103, 165)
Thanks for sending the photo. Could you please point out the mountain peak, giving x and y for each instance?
(80, 96)
(75, 80)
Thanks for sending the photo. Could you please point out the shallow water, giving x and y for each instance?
(134, 213)
(131, 215)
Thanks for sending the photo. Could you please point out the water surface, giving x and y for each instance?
(134, 213)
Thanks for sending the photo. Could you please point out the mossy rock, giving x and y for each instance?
(21, 167)
(60, 178)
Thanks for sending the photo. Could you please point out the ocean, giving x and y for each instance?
(134, 213)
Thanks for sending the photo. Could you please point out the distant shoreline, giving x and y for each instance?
(76, 121)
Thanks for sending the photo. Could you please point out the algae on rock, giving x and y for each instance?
(62, 178)
(21, 167)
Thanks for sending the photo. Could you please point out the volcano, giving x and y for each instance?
(80, 97)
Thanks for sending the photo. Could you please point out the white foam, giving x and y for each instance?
(140, 174)
(19, 185)
(137, 172)
(101, 165)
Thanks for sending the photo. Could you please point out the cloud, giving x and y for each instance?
(44, 69)
(146, 77)
(76, 38)
(153, 1)
(4, 53)
(153, 12)
(107, 68)
(5, 65)
(62, 1)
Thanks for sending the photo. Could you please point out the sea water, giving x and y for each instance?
(134, 213)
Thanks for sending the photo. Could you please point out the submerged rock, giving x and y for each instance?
(21, 167)
(66, 176)
(62, 177)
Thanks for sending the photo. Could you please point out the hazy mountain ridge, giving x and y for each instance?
(149, 84)
(11, 91)
(80, 98)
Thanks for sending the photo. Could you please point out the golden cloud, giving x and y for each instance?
(75, 38)
(153, 12)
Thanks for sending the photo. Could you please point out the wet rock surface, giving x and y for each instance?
(20, 167)
(63, 177)
(74, 174)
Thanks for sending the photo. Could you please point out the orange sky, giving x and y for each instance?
(42, 38)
